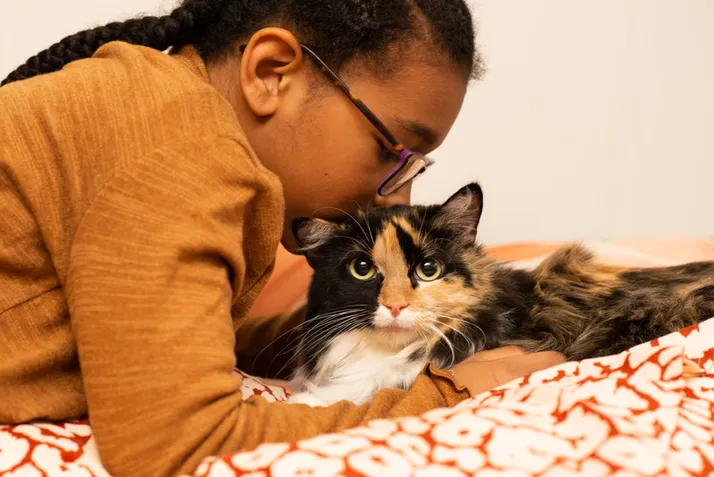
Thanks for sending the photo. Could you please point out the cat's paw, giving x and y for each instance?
(307, 398)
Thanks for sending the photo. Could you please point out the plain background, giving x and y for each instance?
(594, 120)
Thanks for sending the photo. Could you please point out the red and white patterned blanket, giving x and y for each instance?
(648, 411)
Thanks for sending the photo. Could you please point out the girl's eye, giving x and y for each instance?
(429, 270)
(362, 269)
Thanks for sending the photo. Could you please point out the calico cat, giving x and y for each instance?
(401, 286)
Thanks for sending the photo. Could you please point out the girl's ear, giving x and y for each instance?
(462, 212)
(268, 64)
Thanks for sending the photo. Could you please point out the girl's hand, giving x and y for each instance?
(488, 369)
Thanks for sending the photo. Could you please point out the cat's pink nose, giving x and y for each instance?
(397, 308)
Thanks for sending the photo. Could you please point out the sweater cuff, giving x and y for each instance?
(444, 380)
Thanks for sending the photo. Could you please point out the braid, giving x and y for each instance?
(179, 27)
(339, 30)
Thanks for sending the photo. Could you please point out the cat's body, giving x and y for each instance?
(585, 309)
(397, 288)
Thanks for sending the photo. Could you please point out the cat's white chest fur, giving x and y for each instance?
(355, 366)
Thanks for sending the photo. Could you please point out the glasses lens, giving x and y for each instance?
(416, 164)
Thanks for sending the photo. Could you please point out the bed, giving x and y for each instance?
(648, 411)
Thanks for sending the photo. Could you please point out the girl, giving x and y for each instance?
(144, 196)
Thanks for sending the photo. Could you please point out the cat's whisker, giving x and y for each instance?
(348, 215)
(421, 225)
(325, 327)
(308, 349)
(467, 323)
(422, 333)
(326, 324)
(359, 207)
(442, 251)
(369, 229)
(368, 208)
(446, 340)
(456, 330)
(320, 327)
(300, 351)
(362, 245)
(286, 332)
(331, 314)
(473, 348)
(317, 335)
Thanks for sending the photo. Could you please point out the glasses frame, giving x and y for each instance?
(398, 148)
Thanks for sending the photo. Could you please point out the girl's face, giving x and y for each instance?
(328, 156)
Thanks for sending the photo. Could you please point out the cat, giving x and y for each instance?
(398, 287)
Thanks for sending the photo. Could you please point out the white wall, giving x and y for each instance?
(29, 26)
(595, 119)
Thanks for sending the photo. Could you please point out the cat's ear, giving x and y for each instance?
(462, 212)
(310, 234)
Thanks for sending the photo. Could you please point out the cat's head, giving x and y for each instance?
(404, 273)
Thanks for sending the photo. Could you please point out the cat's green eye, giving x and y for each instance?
(428, 270)
(362, 269)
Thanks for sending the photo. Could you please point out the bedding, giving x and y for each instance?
(648, 411)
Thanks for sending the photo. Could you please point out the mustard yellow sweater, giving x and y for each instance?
(137, 227)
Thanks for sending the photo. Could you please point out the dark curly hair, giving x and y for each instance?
(338, 30)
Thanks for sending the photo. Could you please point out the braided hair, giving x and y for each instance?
(155, 32)
(338, 29)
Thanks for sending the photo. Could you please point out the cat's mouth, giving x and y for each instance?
(395, 328)
(385, 322)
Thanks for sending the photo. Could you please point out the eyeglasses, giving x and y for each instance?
(411, 163)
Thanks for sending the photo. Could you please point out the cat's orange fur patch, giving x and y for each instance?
(389, 258)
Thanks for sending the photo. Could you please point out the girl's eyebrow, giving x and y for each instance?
(420, 129)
